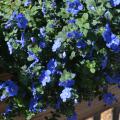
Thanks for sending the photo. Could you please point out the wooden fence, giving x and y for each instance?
(82, 109)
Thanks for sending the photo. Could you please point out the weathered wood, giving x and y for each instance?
(84, 111)
(116, 112)
(5, 76)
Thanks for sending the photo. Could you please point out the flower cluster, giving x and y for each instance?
(60, 53)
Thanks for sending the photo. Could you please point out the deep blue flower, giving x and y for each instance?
(44, 78)
(115, 79)
(27, 3)
(104, 62)
(10, 48)
(21, 21)
(66, 94)
(74, 34)
(114, 3)
(73, 117)
(74, 7)
(112, 41)
(51, 66)
(109, 99)
(42, 44)
(71, 21)
(67, 83)
(56, 45)
(81, 44)
(11, 88)
(33, 104)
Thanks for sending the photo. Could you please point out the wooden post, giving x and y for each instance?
(116, 112)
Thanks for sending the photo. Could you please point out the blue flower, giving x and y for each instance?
(81, 44)
(33, 39)
(51, 66)
(42, 44)
(67, 83)
(33, 104)
(45, 77)
(10, 48)
(74, 7)
(66, 94)
(42, 32)
(109, 99)
(111, 40)
(22, 41)
(9, 23)
(114, 3)
(56, 45)
(104, 62)
(8, 110)
(71, 21)
(21, 21)
(33, 56)
(115, 79)
(11, 88)
(73, 117)
(74, 34)
(44, 11)
(27, 3)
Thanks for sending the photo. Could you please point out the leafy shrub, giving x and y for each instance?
(61, 52)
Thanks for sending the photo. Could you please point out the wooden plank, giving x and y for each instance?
(84, 111)
(5, 76)
(116, 112)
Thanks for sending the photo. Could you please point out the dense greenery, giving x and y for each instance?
(60, 52)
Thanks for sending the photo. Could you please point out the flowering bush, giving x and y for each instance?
(61, 52)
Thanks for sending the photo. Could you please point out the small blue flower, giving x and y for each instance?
(33, 56)
(45, 77)
(81, 44)
(11, 88)
(33, 104)
(42, 44)
(21, 21)
(71, 21)
(33, 39)
(73, 117)
(74, 34)
(74, 7)
(56, 45)
(112, 41)
(109, 99)
(66, 94)
(44, 11)
(10, 48)
(8, 110)
(104, 62)
(27, 3)
(51, 66)
(22, 41)
(115, 3)
(42, 32)
(67, 83)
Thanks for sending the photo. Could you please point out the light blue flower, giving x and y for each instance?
(56, 45)
(45, 77)
(27, 3)
(114, 3)
(10, 48)
(66, 94)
